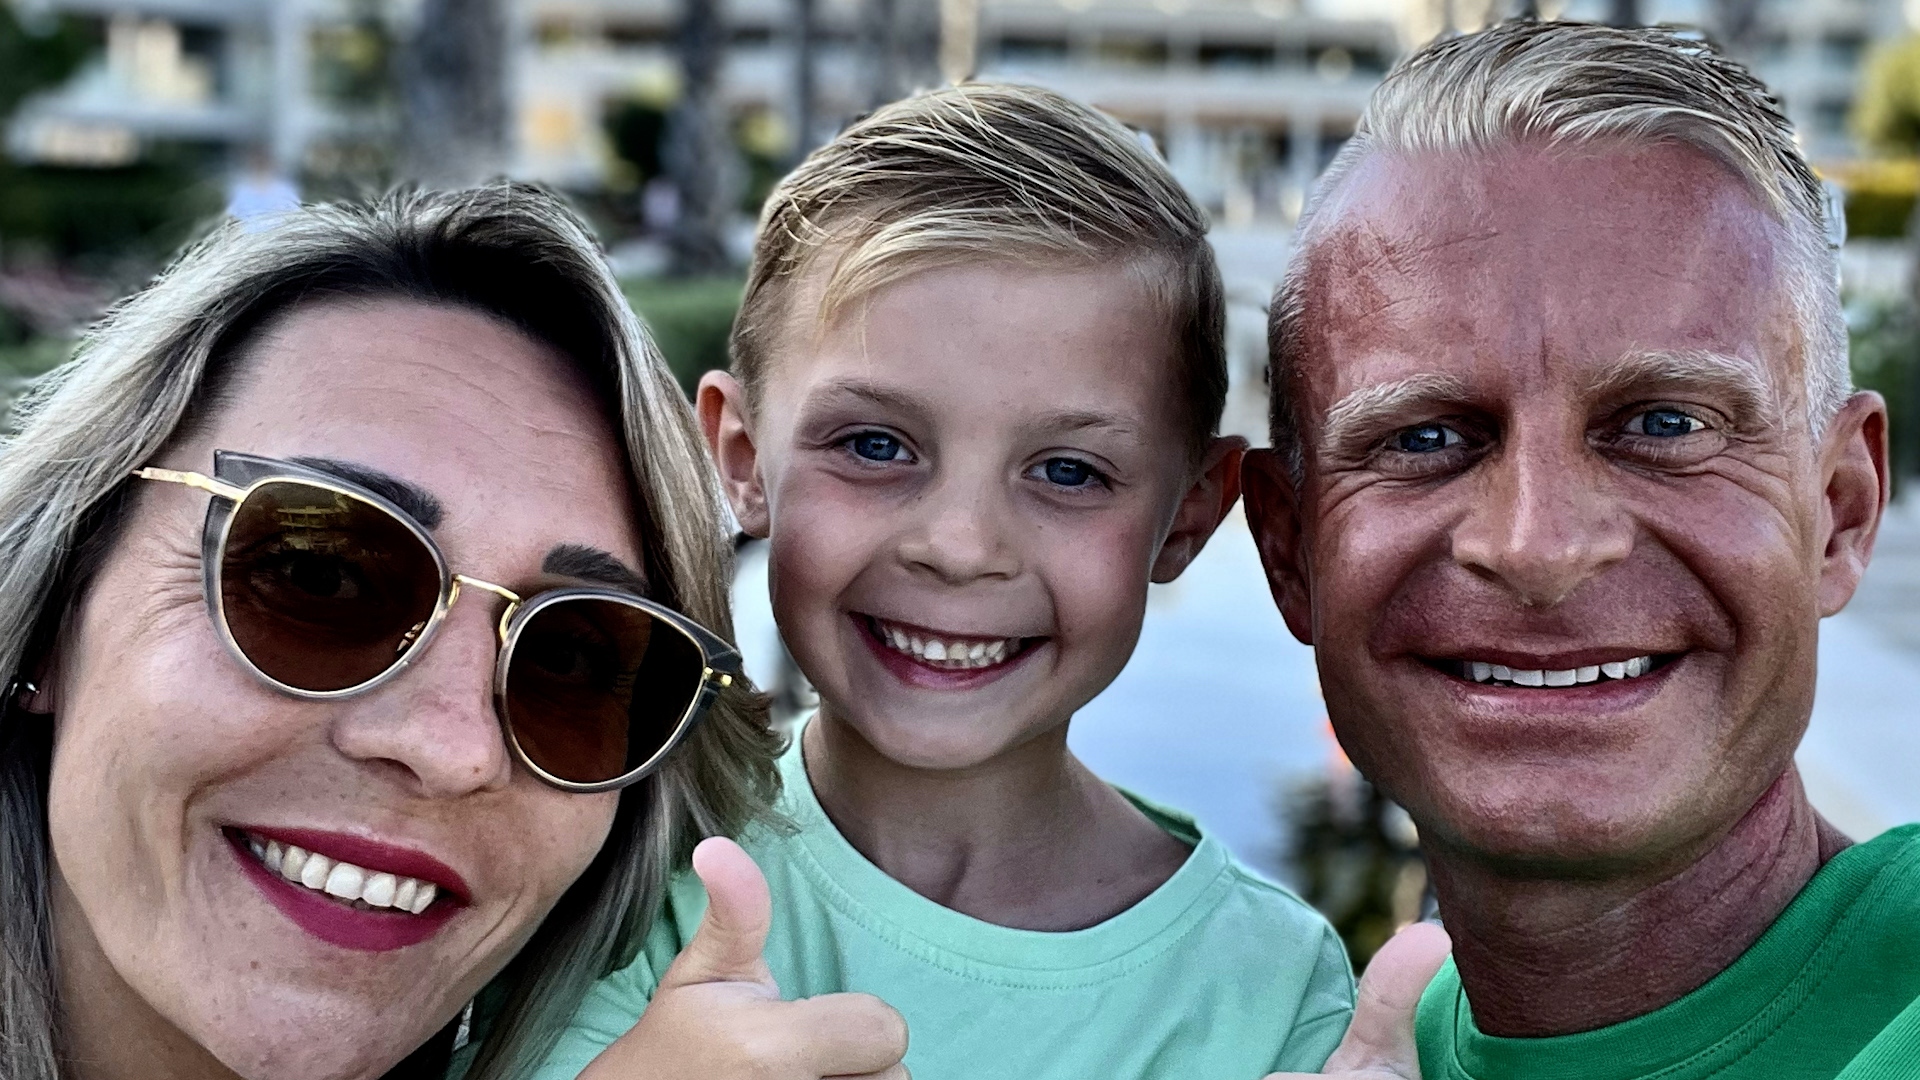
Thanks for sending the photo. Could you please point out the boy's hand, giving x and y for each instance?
(1379, 1043)
(718, 1014)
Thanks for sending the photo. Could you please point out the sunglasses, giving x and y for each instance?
(324, 589)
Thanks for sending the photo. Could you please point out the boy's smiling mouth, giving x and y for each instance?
(944, 651)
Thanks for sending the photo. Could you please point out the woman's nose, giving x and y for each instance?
(434, 725)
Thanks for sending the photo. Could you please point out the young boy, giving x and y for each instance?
(977, 375)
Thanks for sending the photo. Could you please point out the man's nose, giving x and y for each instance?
(434, 726)
(1545, 521)
(960, 532)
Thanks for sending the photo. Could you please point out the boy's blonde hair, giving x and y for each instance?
(984, 172)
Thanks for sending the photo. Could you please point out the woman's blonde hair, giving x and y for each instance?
(157, 364)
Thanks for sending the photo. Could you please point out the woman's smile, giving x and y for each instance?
(349, 891)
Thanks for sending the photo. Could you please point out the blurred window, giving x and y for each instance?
(1029, 48)
(1830, 115)
(1132, 51)
(752, 37)
(1843, 49)
(1235, 55)
(638, 35)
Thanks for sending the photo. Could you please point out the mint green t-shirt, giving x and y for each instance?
(1819, 996)
(1218, 974)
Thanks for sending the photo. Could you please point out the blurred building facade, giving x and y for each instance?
(1247, 98)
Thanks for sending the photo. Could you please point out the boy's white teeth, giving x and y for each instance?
(1577, 676)
(948, 653)
(343, 880)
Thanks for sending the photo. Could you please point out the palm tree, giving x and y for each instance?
(698, 155)
(453, 91)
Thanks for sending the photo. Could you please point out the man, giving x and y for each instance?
(1566, 472)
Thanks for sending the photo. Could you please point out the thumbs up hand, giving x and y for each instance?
(718, 1015)
(1379, 1043)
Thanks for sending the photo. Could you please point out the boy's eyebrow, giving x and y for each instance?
(888, 397)
(1082, 419)
(875, 393)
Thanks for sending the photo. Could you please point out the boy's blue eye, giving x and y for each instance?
(1668, 423)
(876, 446)
(1425, 438)
(1069, 473)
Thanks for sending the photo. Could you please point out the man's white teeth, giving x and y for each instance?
(952, 654)
(343, 879)
(1616, 669)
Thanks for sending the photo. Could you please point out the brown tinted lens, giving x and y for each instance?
(596, 687)
(323, 591)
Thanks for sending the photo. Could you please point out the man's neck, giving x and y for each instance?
(1029, 839)
(1551, 956)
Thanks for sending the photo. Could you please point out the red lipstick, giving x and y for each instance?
(341, 924)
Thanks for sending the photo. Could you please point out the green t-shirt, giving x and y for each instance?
(1216, 975)
(1830, 976)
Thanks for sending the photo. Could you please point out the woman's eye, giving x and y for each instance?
(319, 577)
(1067, 472)
(1425, 438)
(876, 446)
(1665, 424)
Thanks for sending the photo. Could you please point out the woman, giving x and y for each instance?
(359, 574)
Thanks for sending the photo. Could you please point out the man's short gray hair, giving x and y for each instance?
(1560, 83)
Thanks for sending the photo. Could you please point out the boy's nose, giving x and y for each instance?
(961, 537)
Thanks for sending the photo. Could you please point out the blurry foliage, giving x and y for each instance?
(1880, 196)
(1355, 856)
(39, 54)
(140, 211)
(690, 319)
(23, 358)
(1886, 114)
(1886, 358)
(634, 129)
(765, 146)
(353, 59)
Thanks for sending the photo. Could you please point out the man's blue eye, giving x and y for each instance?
(1425, 438)
(876, 446)
(1667, 423)
(1068, 473)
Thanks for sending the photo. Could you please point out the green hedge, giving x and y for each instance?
(1886, 358)
(690, 320)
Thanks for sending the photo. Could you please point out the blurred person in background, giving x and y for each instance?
(260, 190)
(367, 594)
(1567, 472)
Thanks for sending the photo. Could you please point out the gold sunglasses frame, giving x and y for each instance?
(721, 663)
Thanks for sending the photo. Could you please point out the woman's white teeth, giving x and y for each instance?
(1578, 676)
(953, 654)
(343, 879)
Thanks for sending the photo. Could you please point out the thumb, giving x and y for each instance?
(1381, 1035)
(733, 933)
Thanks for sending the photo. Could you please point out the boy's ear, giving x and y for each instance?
(1203, 507)
(1273, 513)
(724, 417)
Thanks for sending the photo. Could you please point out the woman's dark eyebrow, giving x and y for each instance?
(419, 504)
(592, 564)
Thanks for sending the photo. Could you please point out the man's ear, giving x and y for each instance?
(1273, 513)
(1853, 465)
(1202, 508)
(727, 422)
